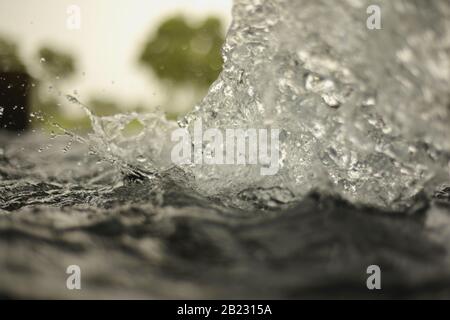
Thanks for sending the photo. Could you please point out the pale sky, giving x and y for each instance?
(107, 45)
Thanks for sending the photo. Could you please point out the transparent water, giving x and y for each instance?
(364, 165)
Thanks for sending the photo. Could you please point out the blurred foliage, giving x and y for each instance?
(183, 53)
(56, 63)
(52, 113)
(61, 65)
(184, 56)
(9, 57)
(102, 107)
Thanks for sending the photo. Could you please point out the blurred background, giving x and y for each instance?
(113, 55)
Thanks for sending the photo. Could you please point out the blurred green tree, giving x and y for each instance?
(9, 57)
(56, 63)
(186, 57)
(184, 53)
(103, 107)
(14, 88)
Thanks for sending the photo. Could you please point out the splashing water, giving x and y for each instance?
(148, 149)
(354, 105)
(363, 116)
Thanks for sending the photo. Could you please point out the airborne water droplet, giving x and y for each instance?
(72, 99)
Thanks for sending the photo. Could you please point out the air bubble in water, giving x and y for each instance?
(141, 159)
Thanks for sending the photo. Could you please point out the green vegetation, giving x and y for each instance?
(185, 57)
(56, 63)
(9, 57)
(182, 55)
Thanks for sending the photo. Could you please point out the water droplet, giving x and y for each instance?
(72, 99)
(141, 159)
(369, 102)
(315, 83)
(331, 100)
(412, 149)
(43, 60)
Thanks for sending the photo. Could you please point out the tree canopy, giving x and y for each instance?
(183, 53)
(9, 57)
(56, 63)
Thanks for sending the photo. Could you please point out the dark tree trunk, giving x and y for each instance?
(14, 101)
